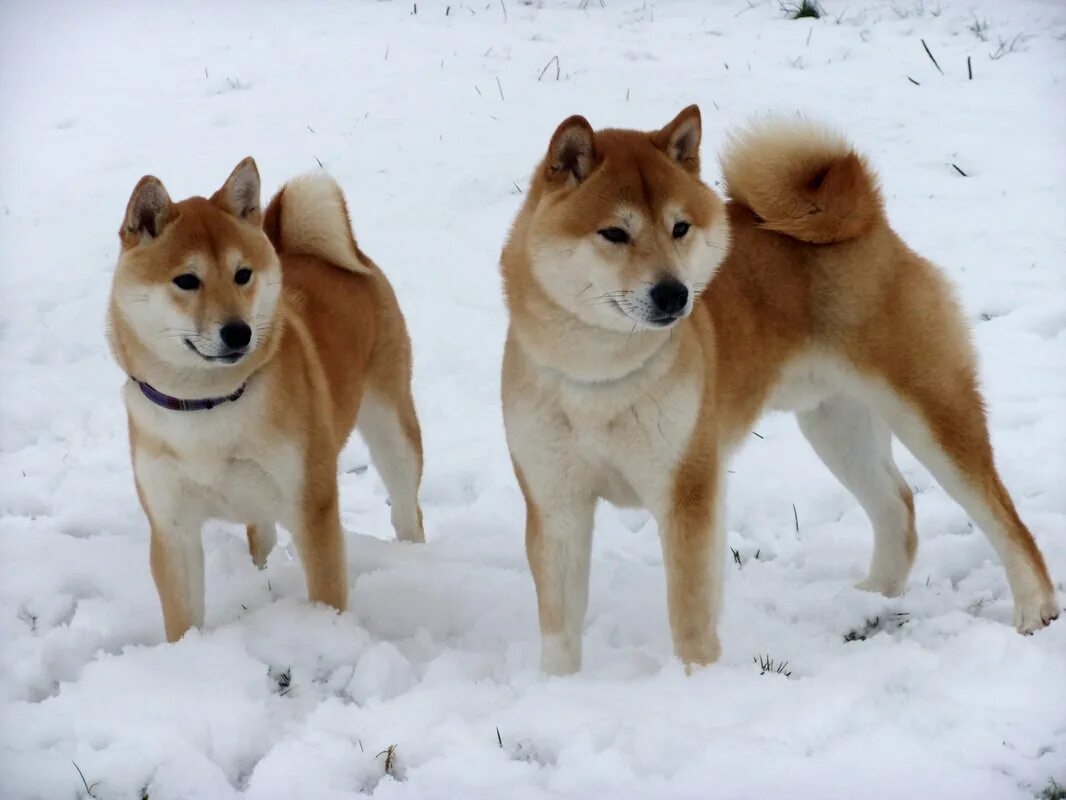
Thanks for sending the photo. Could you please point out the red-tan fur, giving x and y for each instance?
(816, 306)
(328, 335)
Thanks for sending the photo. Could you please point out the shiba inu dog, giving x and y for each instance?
(254, 344)
(651, 323)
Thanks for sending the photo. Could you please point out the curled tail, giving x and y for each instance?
(308, 216)
(802, 180)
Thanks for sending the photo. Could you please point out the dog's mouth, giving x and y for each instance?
(231, 357)
(665, 320)
(658, 321)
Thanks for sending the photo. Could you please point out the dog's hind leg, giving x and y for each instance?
(856, 446)
(913, 362)
(947, 432)
(388, 423)
(387, 420)
(261, 541)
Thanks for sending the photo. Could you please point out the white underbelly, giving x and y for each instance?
(616, 490)
(241, 490)
(805, 384)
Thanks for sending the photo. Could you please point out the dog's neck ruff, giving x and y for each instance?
(650, 365)
(177, 404)
(606, 382)
(583, 365)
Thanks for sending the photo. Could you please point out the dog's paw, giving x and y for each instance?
(559, 656)
(261, 541)
(698, 652)
(889, 587)
(411, 534)
(1034, 614)
(408, 525)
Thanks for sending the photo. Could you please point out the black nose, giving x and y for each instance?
(669, 295)
(236, 335)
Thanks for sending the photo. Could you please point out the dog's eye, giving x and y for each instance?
(243, 276)
(614, 235)
(188, 282)
(680, 229)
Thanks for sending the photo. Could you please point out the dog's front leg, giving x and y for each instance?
(177, 559)
(559, 514)
(558, 546)
(319, 537)
(692, 538)
(176, 551)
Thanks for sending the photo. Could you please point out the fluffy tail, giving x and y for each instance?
(308, 216)
(802, 180)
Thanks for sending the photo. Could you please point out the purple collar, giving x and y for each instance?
(174, 404)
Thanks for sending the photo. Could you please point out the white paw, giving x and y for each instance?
(410, 535)
(695, 653)
(559, 655)
(1034, 613)
(889, 587)
(408, 526)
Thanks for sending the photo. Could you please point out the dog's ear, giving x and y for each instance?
(572, 152)
(680, 139)
(148, 212)
(239, 195)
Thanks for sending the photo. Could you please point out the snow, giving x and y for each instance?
(432, 121)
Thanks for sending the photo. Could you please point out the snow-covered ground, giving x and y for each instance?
(432, 121)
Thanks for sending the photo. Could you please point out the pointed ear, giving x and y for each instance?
(148, 212)
(680, 139)
(239, 195)
(572, 152)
